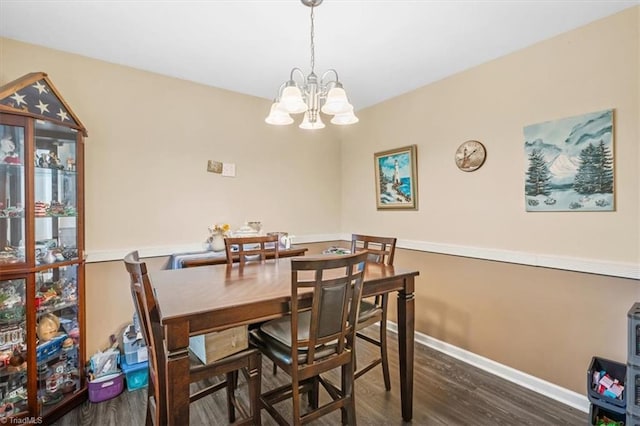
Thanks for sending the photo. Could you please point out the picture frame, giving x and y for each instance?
(396, 177)
(570, 164)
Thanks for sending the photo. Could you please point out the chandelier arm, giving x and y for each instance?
(280, 89)
(292, 75)
(330, 83)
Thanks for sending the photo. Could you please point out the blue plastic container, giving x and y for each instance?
(136, 375)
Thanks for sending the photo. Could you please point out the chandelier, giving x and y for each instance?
(310, 95)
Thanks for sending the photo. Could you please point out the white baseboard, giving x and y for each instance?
(560, 394)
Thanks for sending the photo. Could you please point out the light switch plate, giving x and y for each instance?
(228, 169)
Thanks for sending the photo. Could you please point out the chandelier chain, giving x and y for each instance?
(313, 48)
(311, 94)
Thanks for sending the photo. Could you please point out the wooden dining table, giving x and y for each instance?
(200, 300)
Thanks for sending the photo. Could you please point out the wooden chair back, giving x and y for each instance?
(149, 316)
(337, 289)
(257, 248)
(375, 310)
(381, 249)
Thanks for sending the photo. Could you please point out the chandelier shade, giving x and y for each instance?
(278, 116)
(310, 95)
(307, 124)
(336, 102)
(345, 118)
(291, 100)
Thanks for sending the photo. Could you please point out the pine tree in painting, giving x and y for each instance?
(383, 180)
(537, 175)
(595, 173)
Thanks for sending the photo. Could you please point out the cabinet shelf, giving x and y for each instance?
(61, 171)
(46, 266)
(55, 308)
(10, 371)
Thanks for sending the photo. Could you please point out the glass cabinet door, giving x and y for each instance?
(12, 195)
(55, 193)
(58, 335)
(13, 348)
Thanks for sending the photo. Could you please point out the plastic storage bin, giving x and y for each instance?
(136, 375)
(633, 343)
(106, 387)
(135, 350)
(616, 370)
(632, 420)
(632, 389)
(596, 412)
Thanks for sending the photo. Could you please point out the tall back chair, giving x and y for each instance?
(307, 343)
(381, 250)
(248, 360)
(156, 396)
(252, 248)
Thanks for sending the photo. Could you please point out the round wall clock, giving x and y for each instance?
(470, 156)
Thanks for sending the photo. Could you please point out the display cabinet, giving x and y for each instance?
(42, 348)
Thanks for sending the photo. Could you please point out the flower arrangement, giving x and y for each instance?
(219, 229)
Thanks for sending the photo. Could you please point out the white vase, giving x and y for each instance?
(217, 242)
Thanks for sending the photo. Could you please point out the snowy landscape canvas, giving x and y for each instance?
(396, 178)
(569, 164)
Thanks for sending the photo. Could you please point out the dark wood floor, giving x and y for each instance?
(446, 392)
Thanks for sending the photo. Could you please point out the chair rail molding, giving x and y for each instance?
(576, 264)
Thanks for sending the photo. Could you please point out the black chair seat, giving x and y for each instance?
(274, 339)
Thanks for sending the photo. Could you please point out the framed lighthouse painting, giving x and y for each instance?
(396, 178)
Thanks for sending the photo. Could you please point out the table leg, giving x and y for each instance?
(177, 371)
(406, 324)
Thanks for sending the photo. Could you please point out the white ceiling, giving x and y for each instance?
(380, 48)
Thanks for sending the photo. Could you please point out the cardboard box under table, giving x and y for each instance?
(217, 345)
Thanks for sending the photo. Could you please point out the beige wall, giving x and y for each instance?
(149, 141)
(546, 322)
(150, 137)
(589, 69)
(146, 155)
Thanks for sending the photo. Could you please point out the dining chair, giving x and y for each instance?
(307, 343)
(249, 360)
(374, 310)
(252, 248)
